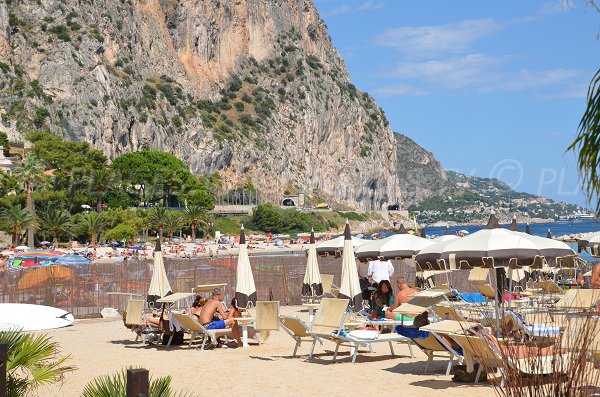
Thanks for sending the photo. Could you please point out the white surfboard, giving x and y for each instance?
(32, 317)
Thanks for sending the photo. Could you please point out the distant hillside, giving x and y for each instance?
(434, 194)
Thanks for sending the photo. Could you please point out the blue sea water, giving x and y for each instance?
(539, 229)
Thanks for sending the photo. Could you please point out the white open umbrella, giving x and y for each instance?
(159, 285)
(397, 246)
(349, 285)
(245, 289)
(312, 286)
(336, 245)
(593, 243)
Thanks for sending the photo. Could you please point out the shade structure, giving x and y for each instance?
(594, 244)
(402, 229)
(245, 289)
(427, 258)
(159, 284)
(493, 222)
(38, 254)
(349, 285)
(491, 248)
(312, 285)
(43, 276)
(555, 253)
(336, 245)
(513, 225)
(75, 261)
(397, 246)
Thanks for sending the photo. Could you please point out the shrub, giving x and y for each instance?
(246, 98)
(239, 106)
(61, 32)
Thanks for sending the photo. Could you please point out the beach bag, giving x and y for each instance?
(462, 376)
(177, 338)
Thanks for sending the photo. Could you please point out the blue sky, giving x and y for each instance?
(493, 89)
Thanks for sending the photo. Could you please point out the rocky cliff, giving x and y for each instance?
(419, 173)
(248, 88)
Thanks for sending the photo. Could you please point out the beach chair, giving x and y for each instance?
(191, 325)
(267, 319)
(514, 320)
(134, 319)
(329, 289)
(474, 297)
(329, 325)
(489, 355)
(550, 287)
(432, 344)
(298, 330)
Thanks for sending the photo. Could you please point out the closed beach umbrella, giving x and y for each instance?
(397, 246)
(312, 286)
(245, 289)
(513, 225)
(528, 229)
(159, 285)
(350, 285)
(549, 234)
(402, 229)
(336, 245)
(448, 232)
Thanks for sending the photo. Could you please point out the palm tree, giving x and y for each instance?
(194, 217)
(33, 360)
(30, 173)
(158, 217)
(92, 225)
(588, 143)
(101, 180)
(15, 220)
(116, 386)
(55, 221)
(173, 223)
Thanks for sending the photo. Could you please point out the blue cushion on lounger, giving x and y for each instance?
(413, 333)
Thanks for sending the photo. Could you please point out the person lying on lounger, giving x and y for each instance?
(214, 306)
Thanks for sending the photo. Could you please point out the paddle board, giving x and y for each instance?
(32, 317)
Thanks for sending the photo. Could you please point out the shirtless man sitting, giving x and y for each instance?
(214, 306)
(404, 295)
(595, 282)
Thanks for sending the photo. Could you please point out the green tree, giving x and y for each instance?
(587, 144)
(194, 217)
(267, 218)
(121, 232)
(116, 386)
(34, 360)
(92, 225)
(200, 198)
(173, 223)
(101, 180)
(7, 184)
(15, 220)
(158, 217)
(30, 173)
(55, 221)
(4, 142)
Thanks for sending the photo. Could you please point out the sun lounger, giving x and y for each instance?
(488, 355)
(329, 289)
(531, 330)
(267, 319)
(192, 326)
(298, 330)
(329, 325)
(474, 297)
(135, 319)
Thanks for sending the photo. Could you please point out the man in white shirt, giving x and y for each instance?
(380, 270)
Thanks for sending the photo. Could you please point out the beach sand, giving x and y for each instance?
(104, 346)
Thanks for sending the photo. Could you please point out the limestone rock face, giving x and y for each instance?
(421, 176)
(248, 88)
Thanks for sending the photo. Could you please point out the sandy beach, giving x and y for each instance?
(104, 346)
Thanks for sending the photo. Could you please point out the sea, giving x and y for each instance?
(557, 229)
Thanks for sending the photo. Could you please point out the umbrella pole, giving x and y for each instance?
(497, 301)
(510, 286)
